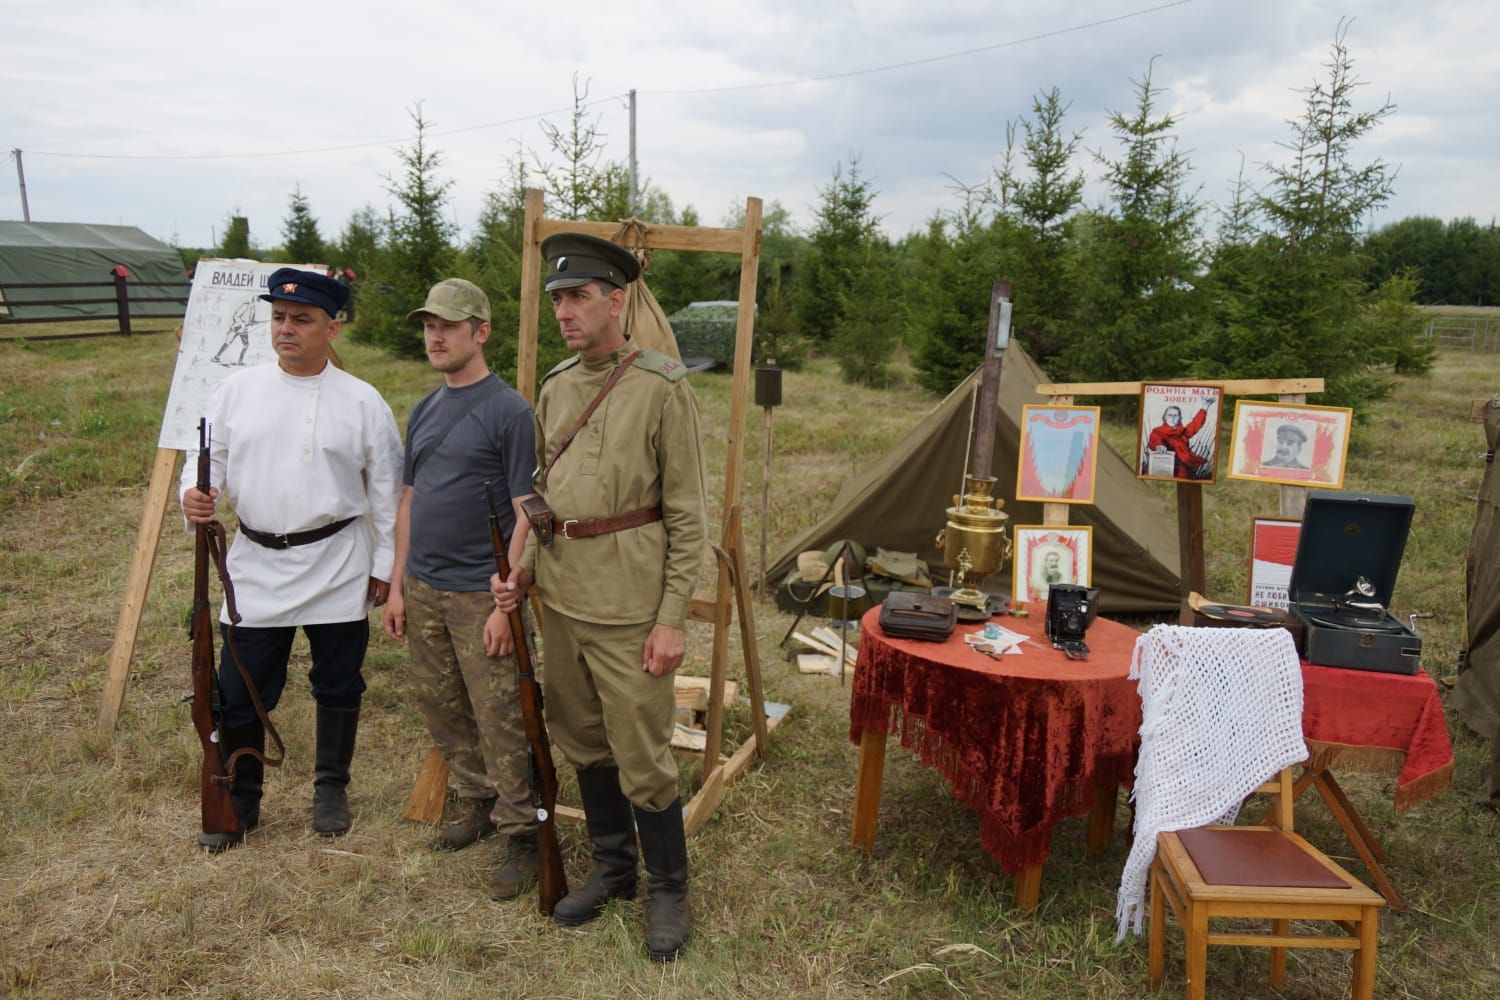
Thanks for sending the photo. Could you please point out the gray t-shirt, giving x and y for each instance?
(495, 441)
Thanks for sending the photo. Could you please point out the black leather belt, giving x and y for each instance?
(286, 541)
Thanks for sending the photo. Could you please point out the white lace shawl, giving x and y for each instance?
(1221, 712)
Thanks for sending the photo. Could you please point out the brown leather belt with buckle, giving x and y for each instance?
(294, 538)
(590, 527)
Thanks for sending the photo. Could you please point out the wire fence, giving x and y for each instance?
(1480, 334)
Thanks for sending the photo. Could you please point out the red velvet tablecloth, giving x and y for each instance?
(1359, 720)
(1024, 740)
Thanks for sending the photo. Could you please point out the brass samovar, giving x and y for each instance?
(974, 540)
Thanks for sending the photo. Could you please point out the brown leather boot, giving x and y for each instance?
(469, 830)
(520, 869)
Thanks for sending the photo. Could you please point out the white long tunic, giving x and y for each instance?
(293, 454)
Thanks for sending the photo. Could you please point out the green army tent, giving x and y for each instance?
(1477, 694)
(899, 501)
(53, 252)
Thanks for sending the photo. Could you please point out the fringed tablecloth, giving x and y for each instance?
(1024, 741)
(1359, 720)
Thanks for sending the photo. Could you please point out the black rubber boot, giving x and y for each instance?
(607, 815)
(245, 791)
(335, 749)
(669, 919)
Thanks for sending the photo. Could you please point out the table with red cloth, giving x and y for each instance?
(1361, 720)
(1028, 740)
(1025, 740)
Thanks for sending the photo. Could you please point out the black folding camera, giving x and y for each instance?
(1070, 611)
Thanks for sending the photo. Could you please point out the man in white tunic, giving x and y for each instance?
(310, 458)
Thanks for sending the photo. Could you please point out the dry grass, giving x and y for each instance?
(103, 894)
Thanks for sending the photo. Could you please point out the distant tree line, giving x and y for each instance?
(1287, 284)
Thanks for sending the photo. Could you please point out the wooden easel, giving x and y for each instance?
(731, 595)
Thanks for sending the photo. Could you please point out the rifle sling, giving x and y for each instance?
(588, 411)
(217, 553)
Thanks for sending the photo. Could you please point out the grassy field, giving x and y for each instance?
(102, 892)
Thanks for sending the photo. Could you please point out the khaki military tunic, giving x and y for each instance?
(640, 448)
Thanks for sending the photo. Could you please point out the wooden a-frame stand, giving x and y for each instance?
(731, 594)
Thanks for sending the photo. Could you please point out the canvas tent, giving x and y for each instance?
(52, 252)
(1477, 694)
(899, 501)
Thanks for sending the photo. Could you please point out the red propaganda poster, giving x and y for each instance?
(1273, 549)
(1290, 443)
(1059, 447)
(1178, 434)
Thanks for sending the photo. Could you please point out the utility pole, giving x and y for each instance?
(632, 198)
(26, 208)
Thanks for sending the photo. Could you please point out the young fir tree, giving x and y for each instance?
(1138, 256)
(418, 249)
(236, 242)
(1040, 205)
(580, 183)
(301, 242)
(837, 249)
(1287, 280)
(359, 243)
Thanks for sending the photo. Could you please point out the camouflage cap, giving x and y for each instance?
(575, 259)
(455, 299)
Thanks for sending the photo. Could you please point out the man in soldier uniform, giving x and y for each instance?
(624, 480)
(472, 429)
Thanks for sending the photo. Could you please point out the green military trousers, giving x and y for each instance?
(603, 708)
(469, 700)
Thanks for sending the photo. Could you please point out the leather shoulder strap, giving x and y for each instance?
(588, 411)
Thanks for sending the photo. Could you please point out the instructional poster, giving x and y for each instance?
(227, 327)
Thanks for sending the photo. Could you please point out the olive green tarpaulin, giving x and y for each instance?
(899, 501)
(53, 252)
(1477, 694)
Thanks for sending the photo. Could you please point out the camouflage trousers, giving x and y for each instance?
(469, 699)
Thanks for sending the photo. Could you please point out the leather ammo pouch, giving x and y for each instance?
(910, 615)
(540, 515)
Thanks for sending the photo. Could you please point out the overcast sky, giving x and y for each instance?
(165, 115)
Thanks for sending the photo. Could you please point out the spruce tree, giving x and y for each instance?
(301, 242)
(236, 242)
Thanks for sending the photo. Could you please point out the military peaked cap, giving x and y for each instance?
(575, 259)
(309, 287)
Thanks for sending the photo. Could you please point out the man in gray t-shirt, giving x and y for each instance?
(471, 430)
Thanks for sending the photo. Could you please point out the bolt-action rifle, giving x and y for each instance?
(218, 810)
(210, 546)
(553, 882)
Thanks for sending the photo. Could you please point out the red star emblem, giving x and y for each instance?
(290, 288)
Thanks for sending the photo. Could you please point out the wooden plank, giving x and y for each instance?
(744, 332)
(531, 295)
(1337, 805)
(1190, 538)
(692, 692)
(425, 803)
(867, 789)
(1292, 499)
(718, 659)
(704, 239)
(750, 647)
(1231, 387)
(711, 793)
(1284, 941)
(137, 582)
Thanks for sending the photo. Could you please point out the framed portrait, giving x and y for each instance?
(1048, 554)
(1059, 450)
(1273, 549)
(1177, 437)
(1291, 443)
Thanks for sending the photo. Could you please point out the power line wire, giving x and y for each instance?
(888, 67)
(921, 62)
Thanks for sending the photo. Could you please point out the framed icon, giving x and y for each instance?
(1177, 437)
(1049, 554)
(1059, 451)
(1290, 443)
(1273, 549)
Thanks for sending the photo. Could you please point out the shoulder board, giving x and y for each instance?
(562, 366)
(664, 365)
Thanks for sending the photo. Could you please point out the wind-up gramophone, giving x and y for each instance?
(974, 541)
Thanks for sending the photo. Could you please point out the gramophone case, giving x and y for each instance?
(1348, 537)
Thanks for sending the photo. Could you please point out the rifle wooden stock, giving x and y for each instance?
(218, 809)
(552, 880)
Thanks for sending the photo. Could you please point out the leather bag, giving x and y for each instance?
(911, 615)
